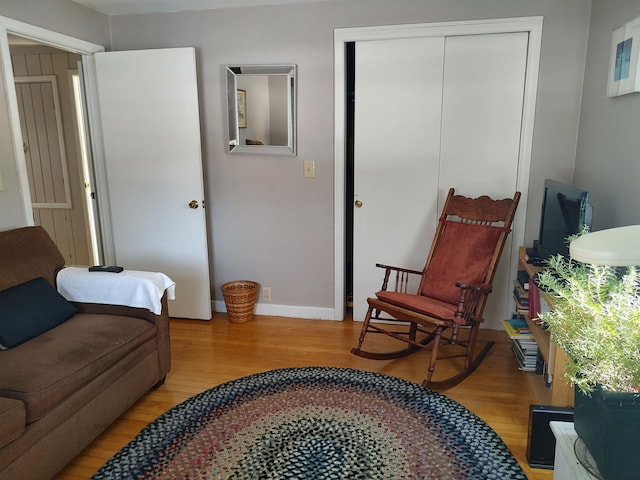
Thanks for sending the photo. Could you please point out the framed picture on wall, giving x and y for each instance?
(624, 61)
(242, 108)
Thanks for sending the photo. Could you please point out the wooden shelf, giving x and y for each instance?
(554, 357)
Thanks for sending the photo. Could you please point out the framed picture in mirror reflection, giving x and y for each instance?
(242, 108)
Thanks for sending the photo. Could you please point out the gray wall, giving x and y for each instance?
(61, 16)
(267, 222)
(608, 154)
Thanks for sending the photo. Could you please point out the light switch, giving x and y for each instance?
(309, 169)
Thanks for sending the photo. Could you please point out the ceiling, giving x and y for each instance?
(124, 7)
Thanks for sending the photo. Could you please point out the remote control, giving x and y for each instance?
(106, 268)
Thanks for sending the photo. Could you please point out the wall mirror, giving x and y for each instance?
(261, 101)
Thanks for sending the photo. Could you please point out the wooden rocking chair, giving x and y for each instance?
(454, 287)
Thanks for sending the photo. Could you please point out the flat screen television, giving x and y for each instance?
(565, 212)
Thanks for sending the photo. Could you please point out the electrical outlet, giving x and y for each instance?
(266, 294)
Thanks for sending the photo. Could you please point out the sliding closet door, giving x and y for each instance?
(483, 94)
(398, 85)
(431, 113)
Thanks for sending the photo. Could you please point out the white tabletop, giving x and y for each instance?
(131, 288)
(567, 465)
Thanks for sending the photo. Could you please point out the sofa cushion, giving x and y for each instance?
(29, 309)
(12, 420)
(47, 369)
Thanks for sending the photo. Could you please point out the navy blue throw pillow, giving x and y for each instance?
(29, 309)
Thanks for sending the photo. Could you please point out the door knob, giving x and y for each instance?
(193, 204)
(358, 203)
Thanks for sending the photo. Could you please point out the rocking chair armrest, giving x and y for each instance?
(470, 296)
(398, 269)
(485, 287)
(401, 277)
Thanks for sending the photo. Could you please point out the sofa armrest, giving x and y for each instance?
(161, 321)
(13, 418)
(123, 310)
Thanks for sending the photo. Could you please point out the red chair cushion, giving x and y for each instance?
(463, 255)
(419, 303)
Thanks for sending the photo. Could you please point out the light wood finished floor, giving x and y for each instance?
(206, 354)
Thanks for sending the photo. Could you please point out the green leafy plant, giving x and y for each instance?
(595, 319)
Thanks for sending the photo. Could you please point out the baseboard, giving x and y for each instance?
(311, 313)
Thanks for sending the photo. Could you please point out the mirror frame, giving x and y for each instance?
(232, 72)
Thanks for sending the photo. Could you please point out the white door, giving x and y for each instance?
(148, 103)
(398, 97)
(459, 126)
(484, 79)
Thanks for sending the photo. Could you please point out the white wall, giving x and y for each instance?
(11, 205)
(266, 107)
(608, 155)
(257, 98)
(278, 110)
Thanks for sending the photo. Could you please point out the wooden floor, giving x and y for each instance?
(206, 354)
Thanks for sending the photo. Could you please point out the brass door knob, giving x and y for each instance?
(194, 204)
(358, 203)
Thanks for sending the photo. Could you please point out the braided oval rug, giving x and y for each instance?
(316, 423)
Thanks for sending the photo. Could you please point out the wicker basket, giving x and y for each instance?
(240, 299)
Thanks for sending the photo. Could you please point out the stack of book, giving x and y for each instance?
(526, 351)
(524, 345)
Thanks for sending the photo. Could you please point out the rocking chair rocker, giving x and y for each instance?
(453, 291)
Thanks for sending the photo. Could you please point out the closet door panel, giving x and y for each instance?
(483, 92)
(398, 92)
(482, 111)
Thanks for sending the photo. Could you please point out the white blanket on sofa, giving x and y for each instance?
(131, 288)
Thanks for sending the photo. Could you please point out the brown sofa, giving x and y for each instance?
(62, 388)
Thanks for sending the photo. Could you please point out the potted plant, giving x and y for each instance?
(595, 319)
